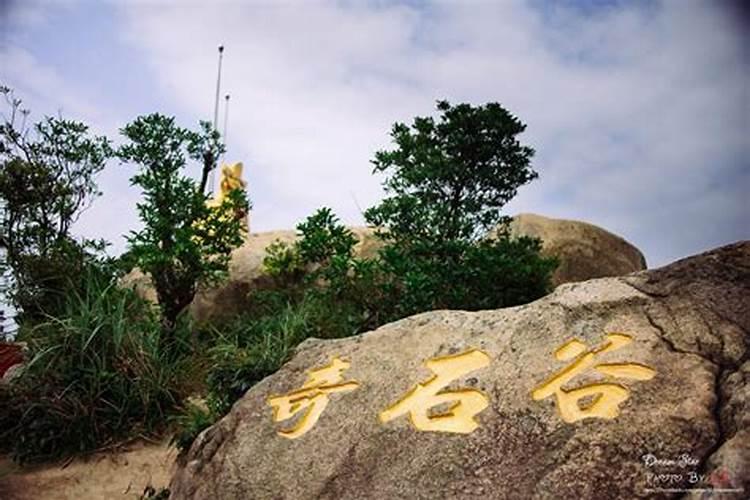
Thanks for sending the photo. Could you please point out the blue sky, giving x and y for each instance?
(638, 110)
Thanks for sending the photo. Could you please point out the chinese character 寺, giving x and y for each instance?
(465, 404)
(312, 397)
(606, 396)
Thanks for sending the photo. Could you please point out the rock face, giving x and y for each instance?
(614, 388)
(585, 251)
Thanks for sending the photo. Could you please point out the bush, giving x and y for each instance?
(246, 351)
(447, 181)
(100, 372)
(490, 274)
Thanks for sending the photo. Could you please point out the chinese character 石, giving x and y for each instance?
(606, 396)
(312, 397)
(465, 404)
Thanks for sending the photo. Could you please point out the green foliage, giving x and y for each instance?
(448, 179)
(98, 373)
(323, 238)
(447, 182)
(489, 274)
(320, 269)
(245, 351)
(193, 420)
(184, 243)
(47, 178)
(252, 348)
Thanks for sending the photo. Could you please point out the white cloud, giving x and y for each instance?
(638, 112)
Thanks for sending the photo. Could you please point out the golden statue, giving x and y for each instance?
(231, 178)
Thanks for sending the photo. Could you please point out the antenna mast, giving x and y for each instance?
(226, 119)
(216, 113)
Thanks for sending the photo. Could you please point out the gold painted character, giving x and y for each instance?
(465, 404)
(607, 396)
(312, 397)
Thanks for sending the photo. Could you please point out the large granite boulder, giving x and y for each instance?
(585, 251)
(625, 387)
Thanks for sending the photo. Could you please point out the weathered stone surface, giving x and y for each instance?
(585, 251)
(688, 321)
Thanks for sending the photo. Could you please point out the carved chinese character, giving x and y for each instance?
(464, 404)
(606, 397)
(312, 398)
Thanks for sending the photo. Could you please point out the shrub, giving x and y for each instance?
(100, 372)
(246, 350)
(447, 181)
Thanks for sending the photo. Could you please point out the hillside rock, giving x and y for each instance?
(245, 274)
(668, 346)
(585, 251)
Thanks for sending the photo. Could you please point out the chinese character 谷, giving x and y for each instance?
(465, 404)
(606, 396)
(312, 397)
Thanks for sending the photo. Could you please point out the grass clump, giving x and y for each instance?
(98, 373)
(245, 351)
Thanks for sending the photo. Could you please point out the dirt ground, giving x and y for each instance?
(121, 475)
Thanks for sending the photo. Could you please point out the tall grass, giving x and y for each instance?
(99, 372)
(245, 351)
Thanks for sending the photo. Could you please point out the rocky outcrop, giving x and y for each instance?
(585, 251)
(245, 274)
(625, 387)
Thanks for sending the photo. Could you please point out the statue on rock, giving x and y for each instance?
(231, 179)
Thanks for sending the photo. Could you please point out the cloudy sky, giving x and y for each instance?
(638, 110)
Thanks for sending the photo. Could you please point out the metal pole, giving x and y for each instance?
(216, 113)
(218, 88)
(226, 119)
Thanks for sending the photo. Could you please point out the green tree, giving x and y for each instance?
(47, 179)
(447, 181)
(184, 244)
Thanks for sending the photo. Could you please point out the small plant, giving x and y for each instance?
(246, 351)
(193, 420)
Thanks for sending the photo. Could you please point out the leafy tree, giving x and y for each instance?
(448, 179)
(184, 243)
(46, 181)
